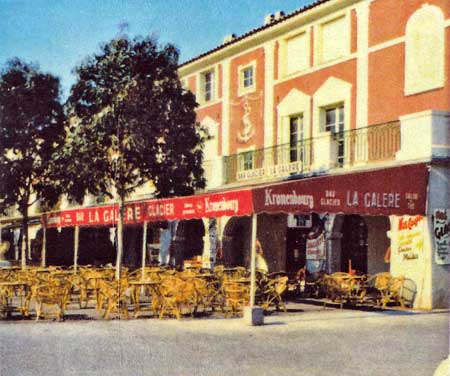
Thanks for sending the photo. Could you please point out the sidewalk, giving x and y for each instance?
(304, 309)
(307, 340)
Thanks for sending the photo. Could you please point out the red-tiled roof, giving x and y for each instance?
(256, 30)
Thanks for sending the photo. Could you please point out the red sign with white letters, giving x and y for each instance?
(232, 203)
(391, 191)
(397, 190)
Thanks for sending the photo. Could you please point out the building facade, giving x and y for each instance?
(354, 91)
(333, 124)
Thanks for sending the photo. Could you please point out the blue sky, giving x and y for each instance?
(58, 34)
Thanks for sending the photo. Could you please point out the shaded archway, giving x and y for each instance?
(354, 243)
(236, 242)
(95, 246)
(188, 241)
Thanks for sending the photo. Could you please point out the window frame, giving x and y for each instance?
(246, 159)
(296, 146)
(201, 86)
(208, 86)
(242, 89)
(318, 38)
(285, 52)
(339, 120)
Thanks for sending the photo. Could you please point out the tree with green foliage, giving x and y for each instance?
(132, 123)
(31, 134)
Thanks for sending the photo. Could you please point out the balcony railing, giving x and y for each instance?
(360, 146)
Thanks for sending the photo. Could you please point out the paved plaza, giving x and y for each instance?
(308, 340)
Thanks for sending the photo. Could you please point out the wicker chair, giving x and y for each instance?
(389, 289)
(236, 296)
(113, 297)
(52, 294)
(177, 294)
(271, 293)
(88, 284)
(338, 287)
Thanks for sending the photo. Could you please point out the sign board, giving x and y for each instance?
(441, 229)
(392, 191)
(410, 237)
(299, 221)
(315, 248)
(232, 203)
(272, 171)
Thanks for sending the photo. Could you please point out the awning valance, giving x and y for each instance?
(391, 191)
(230, 203)
(398, 190)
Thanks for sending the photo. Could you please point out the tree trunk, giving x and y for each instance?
(24, 239)
(44, 245)
(119, 238)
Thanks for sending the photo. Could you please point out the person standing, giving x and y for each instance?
(260, 263)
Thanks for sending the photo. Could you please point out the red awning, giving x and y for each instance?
(390, 191)
(397, 190)
(231, 203)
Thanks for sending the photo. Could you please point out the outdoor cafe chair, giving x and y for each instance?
(202, 294)
(338, 287)
(146, 287)
(170, 296)
(113, 297)
(377, 287)
(214, 291)
(9, 291)
(272, 291)
(52, 294)
(385, 288)
(88, 284)
(236, 296)
(208, 292)
(177, 294)
(188, 297)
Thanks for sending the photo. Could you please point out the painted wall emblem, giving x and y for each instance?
(247, 130)
(247, 115)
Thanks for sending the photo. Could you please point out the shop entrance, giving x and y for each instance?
(354, 244)
(296, 248)
(299, 227)
(236, 242)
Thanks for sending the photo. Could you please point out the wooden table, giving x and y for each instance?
(10, 289)
(207, 276)
(145, 285)
(241, 280)
(9, 272)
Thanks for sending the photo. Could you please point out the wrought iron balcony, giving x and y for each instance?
(377, 143)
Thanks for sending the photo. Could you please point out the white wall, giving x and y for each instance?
(411, 255)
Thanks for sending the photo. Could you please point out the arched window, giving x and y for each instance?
(424, 50)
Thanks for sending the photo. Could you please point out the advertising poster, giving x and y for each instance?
(441, 229)
(410, 237)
